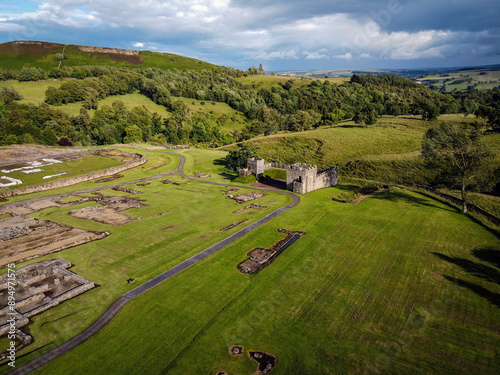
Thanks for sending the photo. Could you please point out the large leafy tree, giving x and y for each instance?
(237, 159)
(458, 156)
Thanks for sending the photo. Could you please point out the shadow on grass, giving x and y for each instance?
(221, 161)
(399, 196)
(490, 255)
(475, 269)
(273, 183)
(492, 297)
(228, 176)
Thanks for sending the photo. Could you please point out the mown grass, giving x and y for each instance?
(191, 215)
(208, 161)
(399, 283)
(157, 163)
(73, 168)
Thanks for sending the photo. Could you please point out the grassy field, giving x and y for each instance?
(191, 216)
(398, 283)
(45, 59)
(73, 168)
(34, 93)
(334, 145)
(157, 163)
(481, 79)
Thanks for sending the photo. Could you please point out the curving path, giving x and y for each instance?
(117, 305)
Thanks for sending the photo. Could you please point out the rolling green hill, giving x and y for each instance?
(17, 54)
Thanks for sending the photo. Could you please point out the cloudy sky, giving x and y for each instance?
(280, 34)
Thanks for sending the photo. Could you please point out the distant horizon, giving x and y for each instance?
(326, 69)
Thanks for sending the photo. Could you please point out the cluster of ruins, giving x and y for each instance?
(300, 178)
(38, 287)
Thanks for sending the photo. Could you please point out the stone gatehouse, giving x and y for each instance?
(300, 178)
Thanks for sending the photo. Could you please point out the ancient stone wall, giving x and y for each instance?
(300, 178)
(139, 160)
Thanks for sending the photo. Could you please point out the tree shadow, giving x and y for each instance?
(490, 255)
(492, 297)
(228, 176)
(221, 161)
(398, 196)
(475, 269)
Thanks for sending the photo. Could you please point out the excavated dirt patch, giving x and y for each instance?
(109, 211)
(265, 360)
(236, 350)
(253, 205)
(23, 238)
(17, 155)
(126, 190)
(243, 198)
(260, 257)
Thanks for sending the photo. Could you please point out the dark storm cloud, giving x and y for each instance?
(381, 33)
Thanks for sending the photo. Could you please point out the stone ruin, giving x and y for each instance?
(231, 226)
(260, 257)
(300, 178)
(38, 287)
(242, 198)
(265, 361)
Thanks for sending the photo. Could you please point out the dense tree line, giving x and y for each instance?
(294, 105)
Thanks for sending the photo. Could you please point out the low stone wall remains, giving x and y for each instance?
(138, 161)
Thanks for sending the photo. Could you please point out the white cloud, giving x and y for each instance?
(277, 31)
(346, 56)
(316, 55)
(138, 45)
(9, 27)
(273, 55)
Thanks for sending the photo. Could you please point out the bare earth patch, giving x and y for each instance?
(265, 360)
(243, 198)
(23, 238)
(260, 257)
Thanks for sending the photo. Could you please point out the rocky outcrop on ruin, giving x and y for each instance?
(118, 51)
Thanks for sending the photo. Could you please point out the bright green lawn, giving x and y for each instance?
(73, 168)
(191, 215)
(398, 283)
(157, 163)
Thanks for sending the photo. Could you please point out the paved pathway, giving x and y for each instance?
(117, 305)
